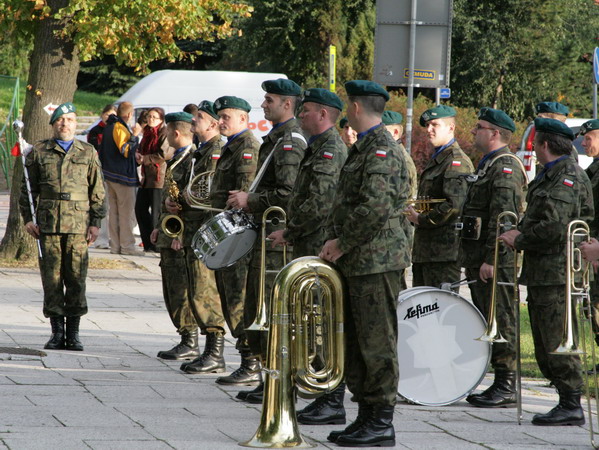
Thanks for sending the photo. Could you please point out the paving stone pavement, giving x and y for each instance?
(117, 395)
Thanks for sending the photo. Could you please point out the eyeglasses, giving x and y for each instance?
(479, 127)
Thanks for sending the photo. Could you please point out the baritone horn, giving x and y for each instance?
(306, 321)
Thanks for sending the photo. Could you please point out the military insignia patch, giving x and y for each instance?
(327, 155)
(507, 170)
(215, 156)
(247, 156)
(568, 183)
(287, 147)
(381, 153)
(456, 163)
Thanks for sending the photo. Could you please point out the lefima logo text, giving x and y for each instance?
(420, 311)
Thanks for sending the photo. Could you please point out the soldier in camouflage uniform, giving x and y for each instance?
(498, 185)
(68, 192)
(235, 170)
(369, 245)
(309, 209)
(436, 243)
(559, 194)
(279, 158)
(392, 121)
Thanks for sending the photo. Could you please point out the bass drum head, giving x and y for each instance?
(440, 360)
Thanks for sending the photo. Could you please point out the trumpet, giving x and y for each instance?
(424, 204)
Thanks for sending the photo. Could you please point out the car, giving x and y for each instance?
(529, 159)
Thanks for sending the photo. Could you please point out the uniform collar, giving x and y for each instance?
(438, 150)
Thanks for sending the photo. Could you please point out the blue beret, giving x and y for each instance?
(360, 88)
(281, 86)
(323, 97)
(208, 107)
(65, 108)
(392, 118)
(343, 122)
(178, 117)
(438, 112)
(229, 101)
(589, 125)
(497, 117)
(552, 107)
(553, 126)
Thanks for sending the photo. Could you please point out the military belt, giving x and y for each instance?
(75, 196)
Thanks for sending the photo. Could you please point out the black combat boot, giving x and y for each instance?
(364, 411)
(376, 431)
(326, 409)
(72, 340)
(501, 394)
(212, 360)
(248, 373)
(56, 341)
(186, 349)
(255, 394)
(567, 412)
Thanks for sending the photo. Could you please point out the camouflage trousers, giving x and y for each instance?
(503, 356)
(594, 294)
(189, 291)
(230, 283)
(371, 366)
(546, 307)
(64, 271)
(436, 273)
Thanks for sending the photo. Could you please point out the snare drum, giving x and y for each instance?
(224, 239)
(440, 360)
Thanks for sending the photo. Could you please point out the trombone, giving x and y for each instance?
(577, 288)
(492, 333)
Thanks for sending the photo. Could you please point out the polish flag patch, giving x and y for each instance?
(381, 153)
(456, 163)
(215, 156)
(247, 156)
(507, 170)
(568, 183)
(287, 147)
(327, 155)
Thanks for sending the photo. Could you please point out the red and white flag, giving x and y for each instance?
(287, 147)
(247, 156)
(507, 170)
(568, 183)
(456, 163)
(215, 156)
(327, 155)
(381, 153)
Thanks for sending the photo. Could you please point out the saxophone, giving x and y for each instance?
(172, 225)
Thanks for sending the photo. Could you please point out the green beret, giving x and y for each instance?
(323, 97)
(392, 118)
(65, 108)
(552, 107)
(281, 86)
(360, 88)
(553, 126)
(178, 117)
(589, 125)
(208, 107)
(229, 101)
(438, 112)
(343, 122)
(497, 117)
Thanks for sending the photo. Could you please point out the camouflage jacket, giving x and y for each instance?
(593, 173)
(564, 193)
(501, 186)
(412, 172)
(365, 216)
(67, 187)
(314, 188)
(235, 169)
(435, 239)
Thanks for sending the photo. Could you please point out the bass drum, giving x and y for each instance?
(440, 360)
(224, 239)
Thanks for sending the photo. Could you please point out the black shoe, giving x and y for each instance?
(212, 360)
(242, 395)
(501, 394)
(325, 410)
(364, 411)
(72, 341)
(376, 431)
(186, 349)
(248, 373)
(255, 398)
(56, 341)
(567, 412)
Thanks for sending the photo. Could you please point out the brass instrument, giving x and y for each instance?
(492, 333)
(578, 231)
(261, 320)
(197, 191)
(295, 319)
(172, 225)
(424, 204)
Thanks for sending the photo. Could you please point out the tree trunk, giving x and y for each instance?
(52, 80)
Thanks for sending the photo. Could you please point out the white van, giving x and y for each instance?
(173, 89)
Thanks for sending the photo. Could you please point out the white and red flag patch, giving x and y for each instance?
(287, 147)
(381, 153)
(327, 155)
(568, 183)
(215, 156)
(456, 163)
(247, 156)
(507, 170)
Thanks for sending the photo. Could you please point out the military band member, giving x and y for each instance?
(436, 243)
(559, 194)
(557, 111)
(498, 185)
(68, 194)
(309, 208)
(279, 158)
(348, 134)
(235, 170)
(369, 246)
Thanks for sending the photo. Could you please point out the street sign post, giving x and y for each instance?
(445, 93)
(596, 79)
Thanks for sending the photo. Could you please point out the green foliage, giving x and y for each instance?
(106, 77)
(90, 103)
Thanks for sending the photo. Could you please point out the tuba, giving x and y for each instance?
(306, 321)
